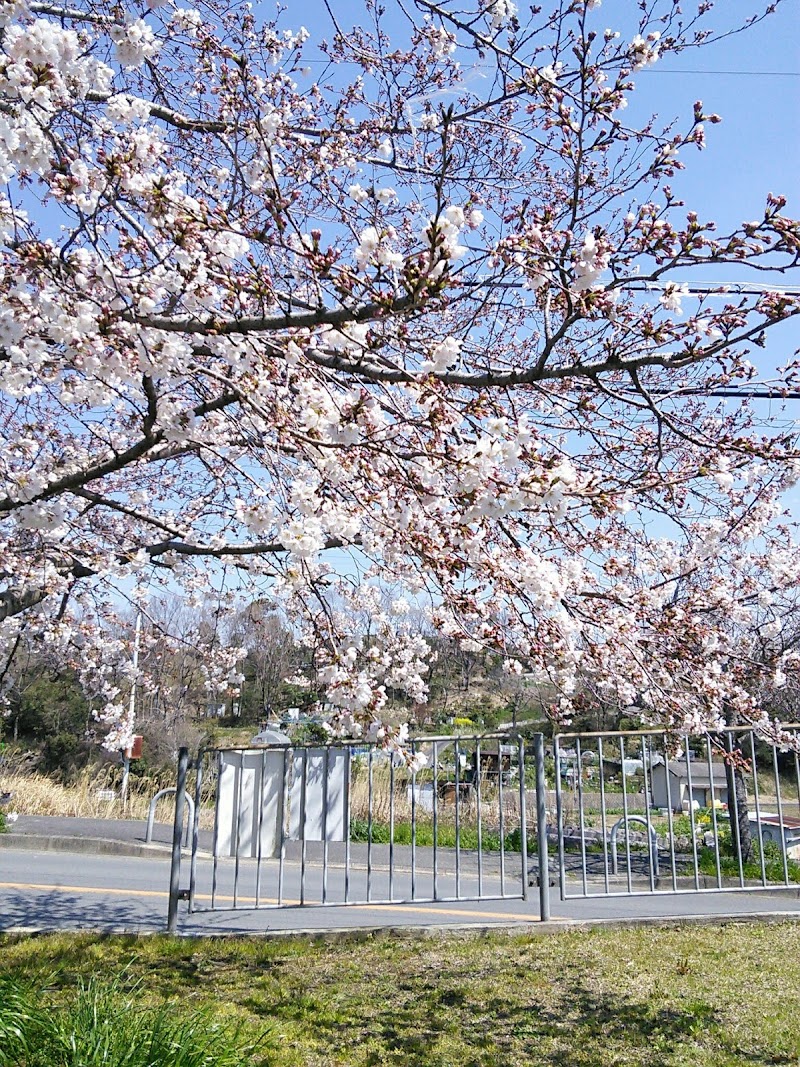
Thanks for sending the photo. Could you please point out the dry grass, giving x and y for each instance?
(36, 794)
(468, 812)
(381, 795)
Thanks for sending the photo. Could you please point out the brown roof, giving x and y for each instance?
(789, 821)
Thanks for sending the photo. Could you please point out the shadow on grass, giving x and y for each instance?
(440, 1021)
(592, 1029)
(388, 1004)
(437, 1020)
(583, 1028)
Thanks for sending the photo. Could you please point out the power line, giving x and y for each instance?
(718, 288)
(648, 70)
(725, 73)
(745, 393)
(692, 288)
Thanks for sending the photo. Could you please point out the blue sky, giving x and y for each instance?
(752, 80)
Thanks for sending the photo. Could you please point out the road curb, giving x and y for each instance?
(478, 929)
(113, 847)
(96, 845)
(368, 933)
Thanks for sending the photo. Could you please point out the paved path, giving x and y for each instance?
(119, 836)
(43, 887)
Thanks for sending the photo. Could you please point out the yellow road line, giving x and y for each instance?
(415, 909)
(85, 889)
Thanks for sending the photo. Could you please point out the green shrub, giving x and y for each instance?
(101, 1025)
(513, 841)
(359, 830)
(63, 754)
(729, 865)
(445, 835)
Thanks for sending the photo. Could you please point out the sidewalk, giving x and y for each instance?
(117, 837)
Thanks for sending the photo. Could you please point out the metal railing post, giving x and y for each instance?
(541, 829)
(559, 819)
(151, 815)
(177, 833)
(198, 788)
(523, 818)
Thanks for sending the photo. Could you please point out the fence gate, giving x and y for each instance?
(638, 812)
(284, 825)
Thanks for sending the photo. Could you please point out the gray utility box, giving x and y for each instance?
(262, 789)
(322, 814)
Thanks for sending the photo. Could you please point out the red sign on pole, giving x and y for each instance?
(135, 751)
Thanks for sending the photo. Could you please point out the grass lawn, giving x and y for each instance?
(695, 995)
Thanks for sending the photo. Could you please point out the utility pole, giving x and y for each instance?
(126, 759)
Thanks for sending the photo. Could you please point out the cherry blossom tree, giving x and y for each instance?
(407, 305)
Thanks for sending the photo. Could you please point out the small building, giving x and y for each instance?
(495, 759)
(628, 766)
(770, 831)
(706, 788)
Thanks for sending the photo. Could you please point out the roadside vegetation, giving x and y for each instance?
(103, 1024)
(776, 867)
(85, 796)
(640, 997)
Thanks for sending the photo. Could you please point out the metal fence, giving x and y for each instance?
(627, 813)
(348, 824)
(642, 812)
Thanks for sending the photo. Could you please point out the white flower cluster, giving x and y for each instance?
(442, 357)
(375, 249)
(303, 538)
(358, 193)
(500, 13)
(442, 43)
(121, 726)
(11, 10)
(550, 73)
(220, 669)
(448, 227)
(645, 50)
(135, 42)
(186, 20)
(44, 68)
(590, 264)
(672, 296)
(48, 518)
(444, 233)
(405, 662)
(356, 681)
(125, 110)
(544, 581)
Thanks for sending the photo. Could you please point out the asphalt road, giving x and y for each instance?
(69, 891)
